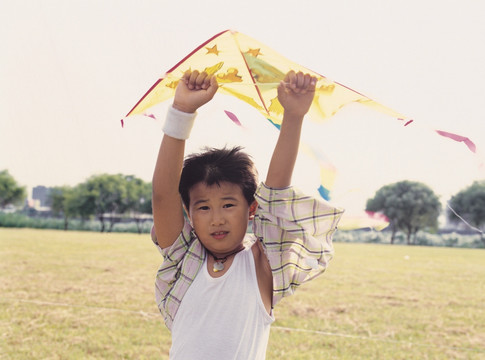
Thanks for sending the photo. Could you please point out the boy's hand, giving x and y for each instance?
(296, 93)
(194, 90)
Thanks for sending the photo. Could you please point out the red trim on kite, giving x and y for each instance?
(122, 123)
(348, 88)
(459, 138)
(352, 90)
(409, 122)
(196, 49)
(174, 67)
(144, 96)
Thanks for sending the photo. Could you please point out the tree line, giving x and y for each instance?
(409, 206)
(105, 197)
(412, 206)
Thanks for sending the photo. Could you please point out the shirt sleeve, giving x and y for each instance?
(181, 262)
(296, 231)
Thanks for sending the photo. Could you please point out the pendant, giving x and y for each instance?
(218, 266)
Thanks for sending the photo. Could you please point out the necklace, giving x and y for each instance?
(219, 262)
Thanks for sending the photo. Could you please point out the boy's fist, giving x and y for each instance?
(296, 93)
(194, 90)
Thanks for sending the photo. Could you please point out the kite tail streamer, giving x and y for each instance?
(328, 172)
(324, 192)
(470, 144)
(233, 118)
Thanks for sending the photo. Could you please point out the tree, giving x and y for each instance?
(470, 205)
(410, 207)
(83, 201)
(104, 194)
(138, 199)
(10, 191)
(62, 201)
(57, 202)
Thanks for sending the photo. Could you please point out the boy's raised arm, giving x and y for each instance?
(295, 94)
(194, 90)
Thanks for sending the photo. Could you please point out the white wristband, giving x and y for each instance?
(178, 124)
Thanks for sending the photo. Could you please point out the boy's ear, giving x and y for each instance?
(252, 209)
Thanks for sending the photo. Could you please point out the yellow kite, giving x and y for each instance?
(251, 71)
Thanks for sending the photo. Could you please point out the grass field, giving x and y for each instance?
(74, 295)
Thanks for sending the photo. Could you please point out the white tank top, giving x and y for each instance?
(222, 318)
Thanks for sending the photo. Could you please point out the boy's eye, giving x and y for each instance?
(204, 208)
(228, 206)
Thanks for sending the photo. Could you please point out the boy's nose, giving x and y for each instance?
(217, 219)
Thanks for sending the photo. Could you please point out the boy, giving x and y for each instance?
(217, 287)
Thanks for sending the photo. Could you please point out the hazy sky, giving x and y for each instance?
(70, 70)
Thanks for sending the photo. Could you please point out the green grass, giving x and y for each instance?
(85, 295)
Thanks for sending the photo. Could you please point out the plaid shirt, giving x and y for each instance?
(296, 232)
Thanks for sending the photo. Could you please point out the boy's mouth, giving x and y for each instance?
(219, 235)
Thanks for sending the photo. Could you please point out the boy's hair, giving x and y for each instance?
(214, 166)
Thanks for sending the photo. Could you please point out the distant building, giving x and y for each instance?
(40, 196)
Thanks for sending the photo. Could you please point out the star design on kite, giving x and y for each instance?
(254, 52)
(212, 50)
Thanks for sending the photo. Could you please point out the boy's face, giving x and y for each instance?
(219, 215)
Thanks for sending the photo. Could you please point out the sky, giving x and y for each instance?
(70, 70)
